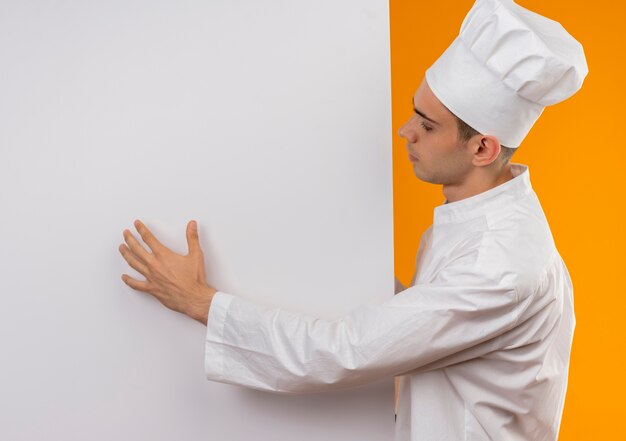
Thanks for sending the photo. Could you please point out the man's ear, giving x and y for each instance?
(486, 150)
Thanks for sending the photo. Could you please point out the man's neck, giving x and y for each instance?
(476, 183)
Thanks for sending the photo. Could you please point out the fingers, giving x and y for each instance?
(148, 237)
(138, 250)
(133, 261)
(193, 241)
(136, 284)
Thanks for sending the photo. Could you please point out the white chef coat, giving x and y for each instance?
(481, 339)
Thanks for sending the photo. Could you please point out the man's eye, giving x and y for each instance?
(428, 129)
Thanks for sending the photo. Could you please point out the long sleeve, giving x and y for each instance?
(459, 316)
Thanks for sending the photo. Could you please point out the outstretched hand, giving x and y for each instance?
(177, 281)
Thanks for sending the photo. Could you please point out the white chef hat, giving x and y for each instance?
(504, 67)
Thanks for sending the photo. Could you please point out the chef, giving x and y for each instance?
(480, 341)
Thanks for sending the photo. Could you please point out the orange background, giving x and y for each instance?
(575, 153)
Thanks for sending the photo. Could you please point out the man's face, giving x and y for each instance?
(432, 140)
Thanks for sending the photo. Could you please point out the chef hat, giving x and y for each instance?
(504, 67)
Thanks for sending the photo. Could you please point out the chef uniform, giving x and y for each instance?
(481, 339)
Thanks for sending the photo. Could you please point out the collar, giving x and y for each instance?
(482, 203)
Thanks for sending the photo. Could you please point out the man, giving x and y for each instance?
(481, 339)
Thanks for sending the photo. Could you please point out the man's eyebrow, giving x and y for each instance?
(420, 113)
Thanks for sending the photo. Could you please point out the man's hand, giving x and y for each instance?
(178, 282)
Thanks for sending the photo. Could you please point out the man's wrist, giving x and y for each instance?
(201, 309)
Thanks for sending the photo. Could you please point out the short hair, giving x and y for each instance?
(466, 132)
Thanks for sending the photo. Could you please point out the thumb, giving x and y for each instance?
(193, 241)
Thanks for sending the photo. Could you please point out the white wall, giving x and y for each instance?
(269, 122)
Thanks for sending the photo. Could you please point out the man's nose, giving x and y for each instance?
(406, 132)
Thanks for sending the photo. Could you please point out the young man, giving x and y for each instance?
(481, 339)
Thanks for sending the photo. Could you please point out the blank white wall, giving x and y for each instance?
(269, 122)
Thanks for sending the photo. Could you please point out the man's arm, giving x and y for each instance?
(459, 316)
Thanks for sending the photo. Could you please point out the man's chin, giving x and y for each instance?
(425, 178)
